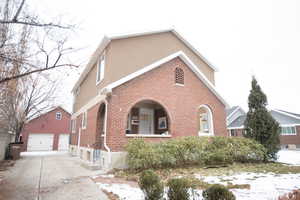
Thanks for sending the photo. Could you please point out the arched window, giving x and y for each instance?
(205, 121)
(179, 76)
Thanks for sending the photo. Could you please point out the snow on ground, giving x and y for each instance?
(267, 186)
(289, 157)
(43, 153)
(124, 191)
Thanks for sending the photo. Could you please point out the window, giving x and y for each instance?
(76, 93)
(233, 133)
(205, 120)
(100, 69)
(58, 115)
(73, 125)
(179, 76)
(84, 120)
(288, 130)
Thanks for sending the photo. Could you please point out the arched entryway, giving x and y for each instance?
(205, 120)
(100, 126)
(148, 117)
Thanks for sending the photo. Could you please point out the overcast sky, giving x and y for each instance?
(241, 38)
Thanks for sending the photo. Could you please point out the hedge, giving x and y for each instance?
(188, 151)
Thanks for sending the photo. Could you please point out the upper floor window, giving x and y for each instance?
(288, 130)
(58, 115)
(100, 69)
(73, 125)
(179, 76)
(84, 120)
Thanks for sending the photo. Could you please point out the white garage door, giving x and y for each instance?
(63, 142)
(40, 142)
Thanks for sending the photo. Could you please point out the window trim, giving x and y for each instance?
(102, 68)
(84, 122)
(73, 125)
(59, 114)
(211, 121)
(288, 134)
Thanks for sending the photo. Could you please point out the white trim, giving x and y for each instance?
(102, 68)
(60, 114)
(285, 125)
(107, 39)
(88, 105)
(178, 84)
(211, 122)
(287, 114)
(237, 127)
(158, 63)
(148, 135)
(73, 125)
(233, 112)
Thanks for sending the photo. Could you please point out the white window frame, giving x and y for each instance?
(101, 66)
(210, 121)
(84, 120)
(291, 128)
(73, 125)
(58, 113)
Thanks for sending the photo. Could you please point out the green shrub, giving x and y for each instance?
(201, 151)
(217, 192)
(178, 189)
(151, 185)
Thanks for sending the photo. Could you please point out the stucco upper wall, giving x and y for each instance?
(125, 56)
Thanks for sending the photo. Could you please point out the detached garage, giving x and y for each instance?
(40, 142)
(47, 132)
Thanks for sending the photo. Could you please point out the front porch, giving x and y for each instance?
(148, 119)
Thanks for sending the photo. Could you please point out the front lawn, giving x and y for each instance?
(246, 181)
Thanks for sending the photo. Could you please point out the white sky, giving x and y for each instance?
(241, 38)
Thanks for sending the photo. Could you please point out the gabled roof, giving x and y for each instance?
(290, 113)
(160, 62)
(285, 118)
(237, 123)
(48, 111)
(230, 110)
(108, 38)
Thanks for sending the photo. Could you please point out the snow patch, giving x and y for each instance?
(289, 156)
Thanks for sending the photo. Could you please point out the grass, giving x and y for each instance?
(271, 167)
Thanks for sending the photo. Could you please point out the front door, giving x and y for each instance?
(146, 125)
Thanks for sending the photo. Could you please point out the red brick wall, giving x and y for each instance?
(291, 139)
(237, 132)
(180, 102)
(47, 123)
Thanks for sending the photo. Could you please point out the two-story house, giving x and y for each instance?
(153, 85)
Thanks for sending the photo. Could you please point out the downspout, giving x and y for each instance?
(105, 130)
(78, 143)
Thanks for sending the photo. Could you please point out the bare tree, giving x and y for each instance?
(32, 98)
(46, 42)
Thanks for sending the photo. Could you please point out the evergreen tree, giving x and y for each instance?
(259, 124)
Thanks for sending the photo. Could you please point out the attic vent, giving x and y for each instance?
(179, 76)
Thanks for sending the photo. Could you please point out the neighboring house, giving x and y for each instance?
(151, 85)
(47, 132)
(289, 123)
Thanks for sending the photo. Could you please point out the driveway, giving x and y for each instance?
(49, 177)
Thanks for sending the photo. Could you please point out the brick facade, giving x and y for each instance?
(180, 102)
(291, 139)
(46, 124)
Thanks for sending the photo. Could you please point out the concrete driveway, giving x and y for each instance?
(49, 177)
